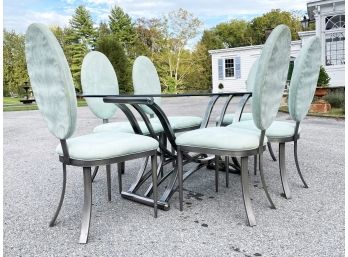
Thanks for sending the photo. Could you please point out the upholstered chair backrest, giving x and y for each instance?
(98, 77)
(146, 80)
(304, 78)
(251, 76)
(51, 80)
(270, 77)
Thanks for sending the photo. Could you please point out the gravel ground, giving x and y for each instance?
(212, 224)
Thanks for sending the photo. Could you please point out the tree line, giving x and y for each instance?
(164, 40)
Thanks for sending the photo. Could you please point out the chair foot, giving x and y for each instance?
(87, 205)
(298, 166)
(95, 172)
(245, 192)
(53, 220)
(263, 181)
(271, 151)
(283, 173)
(108, 180)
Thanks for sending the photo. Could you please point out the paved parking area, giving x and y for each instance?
(212, 224)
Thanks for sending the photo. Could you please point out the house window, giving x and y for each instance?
(335, 40)
(229, 68)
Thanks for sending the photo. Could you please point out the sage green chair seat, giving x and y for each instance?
(127, 128)
(146, 81)
(228, 118)
(107, 145)
(278, 129)
(181, 122)
(219, 139)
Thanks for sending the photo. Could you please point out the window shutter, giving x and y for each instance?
(237, 67)
(221, 69)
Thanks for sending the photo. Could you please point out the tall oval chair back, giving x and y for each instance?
(304, 79)
(98, 77)
(270, 77)
(251, 76)
(51, 80)
(146, 80)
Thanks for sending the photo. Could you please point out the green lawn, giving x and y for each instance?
(13, 104)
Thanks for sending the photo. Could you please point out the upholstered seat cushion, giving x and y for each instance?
(106, 145)
(182, 122)
(127, 128)
(221, 138)
(278, 129)
(228, 119)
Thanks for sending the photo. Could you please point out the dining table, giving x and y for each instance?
(141, 189)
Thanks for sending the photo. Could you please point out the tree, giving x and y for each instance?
(112, 49)
(199, 77)
(82, 25)
(81, 38)
(270, 20)
(149, 36)
(234, 33)
(122, 27)
(103, 30)
(14, 64)
(181, 26)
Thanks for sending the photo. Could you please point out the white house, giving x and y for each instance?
(231, 66)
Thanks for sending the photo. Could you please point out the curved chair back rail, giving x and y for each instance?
(98, 76)
(304, 79)
(51, 80)
(271, 77)
(146, 80)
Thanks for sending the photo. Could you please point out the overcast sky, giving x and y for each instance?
(18, 14)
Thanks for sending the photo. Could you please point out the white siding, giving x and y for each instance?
(247, 57)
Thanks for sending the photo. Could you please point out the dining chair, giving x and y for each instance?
(268, 86)
(229, 118)
(301, 92)
(98, 77)
(146, 81)
(55, 96)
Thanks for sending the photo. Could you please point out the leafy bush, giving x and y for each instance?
(323, 79)
(335, 99)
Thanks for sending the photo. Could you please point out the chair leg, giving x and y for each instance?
(227, 164)
(271, 151)
(162, 139)
(95, 172)
(298, 166)
(217, 173)
(53, 220)
(180, 177)
(283, 173)
(245, 191)
(154, 183)
(87, 205)
(123, 165)
(255, 165)
(173, 152)
(119, 176)
(108, 180)
(264, 181)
